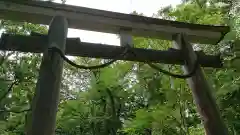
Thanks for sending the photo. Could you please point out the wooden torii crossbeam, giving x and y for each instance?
(44, 106)
(74, 47)
(108, 22)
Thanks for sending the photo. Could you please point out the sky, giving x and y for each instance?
(147, 7)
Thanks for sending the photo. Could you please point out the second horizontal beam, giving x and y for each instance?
(37, 44)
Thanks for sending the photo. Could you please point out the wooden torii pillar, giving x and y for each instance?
(47, 91)
(45, 101)
(201, 90)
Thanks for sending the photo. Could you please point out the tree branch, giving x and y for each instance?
(14, 111)
(8, 91)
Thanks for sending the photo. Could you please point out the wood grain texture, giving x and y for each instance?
(109, 22)
(46, 98)
(37, 44)
(201, 91)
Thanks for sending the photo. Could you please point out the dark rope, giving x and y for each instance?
(127, 49)
(190, 74)
(55, 49)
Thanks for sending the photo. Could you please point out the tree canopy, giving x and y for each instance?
(126, 98)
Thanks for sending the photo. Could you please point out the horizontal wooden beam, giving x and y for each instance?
(37, 44)
(108, 22)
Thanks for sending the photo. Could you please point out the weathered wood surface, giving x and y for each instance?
(109, 22)
(201, 91)
(45, 101)
(126, 39)
(74, 47)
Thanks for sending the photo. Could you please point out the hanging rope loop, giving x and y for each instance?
(127, 49)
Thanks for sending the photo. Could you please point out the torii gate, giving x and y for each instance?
(45, 102)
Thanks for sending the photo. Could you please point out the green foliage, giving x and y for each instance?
(192, 13)
(125, 98)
